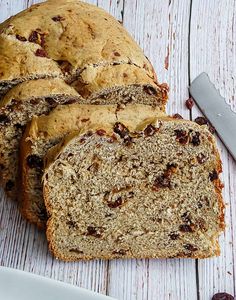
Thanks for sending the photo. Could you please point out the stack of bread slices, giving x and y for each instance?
(87, 149)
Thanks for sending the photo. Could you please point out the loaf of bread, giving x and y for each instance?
(17, 107)
(45, 131)
(134, 191)
(103, 65)
(76, 41)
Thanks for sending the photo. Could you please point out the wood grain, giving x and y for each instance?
(179, 52)
(212, 49)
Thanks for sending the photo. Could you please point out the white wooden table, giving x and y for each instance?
(182, 38)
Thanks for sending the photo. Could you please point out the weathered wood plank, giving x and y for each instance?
(161, 29)
(9, 8)
(115, 8)
(212, 49)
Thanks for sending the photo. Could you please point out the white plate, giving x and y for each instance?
(19, 285)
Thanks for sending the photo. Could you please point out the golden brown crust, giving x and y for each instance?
(18, 61)
(47, 39)
(96, 79)
(37, 89)
(25, 150)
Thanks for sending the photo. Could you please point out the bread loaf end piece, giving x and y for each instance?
(17, 107)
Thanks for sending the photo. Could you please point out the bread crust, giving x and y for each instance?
(47, 93)
(37, 89)
(46, 38)
(55, 152)
(96, 79)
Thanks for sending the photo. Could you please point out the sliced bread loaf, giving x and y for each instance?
(45, 131)
(135, 191)
(62, 38)
(16, 108)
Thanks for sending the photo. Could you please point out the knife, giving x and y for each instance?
(217, 111)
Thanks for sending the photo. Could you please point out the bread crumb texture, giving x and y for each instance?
(153, 192)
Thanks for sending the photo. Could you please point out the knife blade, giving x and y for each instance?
(215, 108)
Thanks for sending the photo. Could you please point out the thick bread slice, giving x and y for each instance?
(147, 192)
(16, 109)
(123, 83)
(45, 131)
(52, 32)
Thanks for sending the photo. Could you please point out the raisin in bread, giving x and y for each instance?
(45, 131)
(147, 192)
(46, 38)
(17, 107)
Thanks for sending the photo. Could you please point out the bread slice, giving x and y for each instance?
(16, 109)
(45, 131)
(123, 83)
(147, 191)
(45, 40)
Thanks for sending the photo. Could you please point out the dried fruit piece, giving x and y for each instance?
(195, 140)
(201, 158)
(164, 180)
(190, 247)
(149, 130)
(118, 202)
(177, 116)
(150, 90)
(119, 252)
(94, 167)
(161, 182)
(51, 101)
(185, 228)
(186, 218)
(94, 231)
(204, 121)
(65, 66)
(71, 223)
(213, 175)
(189, 103)
(101, 132)
(34, 161)
(41, 53)
(211, 128)
(120, 129)
(123, 132)
(37, 38)
(223, 296)
(181, 136)
(71, 101)
(4, 119)
(21, 38)
(116, 53)
(174, 236)
(58, 18)
(76, 250)
(201, 121)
